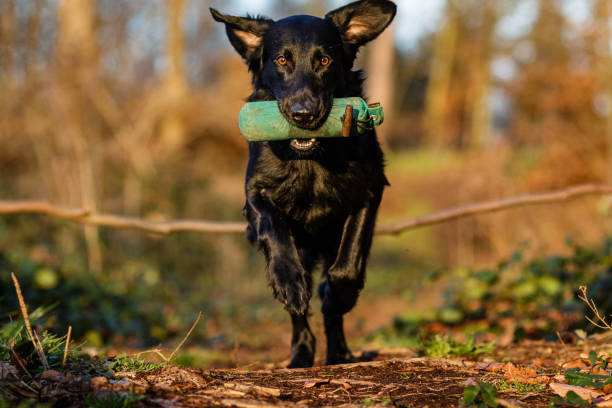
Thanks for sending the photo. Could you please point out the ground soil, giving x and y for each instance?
(393, 378)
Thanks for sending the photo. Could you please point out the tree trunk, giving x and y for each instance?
(175, 82)
(440, 75)
(480, 123)
(77, 64)
(380, 81)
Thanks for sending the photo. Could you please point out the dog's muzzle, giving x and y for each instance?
(303, 144)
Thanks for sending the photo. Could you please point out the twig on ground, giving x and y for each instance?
(185, 339)
(84, 216)
(17, 360)
(66, 347)
(603, 324)
(43, 357)
(561, 340)
(26, 318)
(154, 351)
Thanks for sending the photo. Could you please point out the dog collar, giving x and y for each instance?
(263, 121)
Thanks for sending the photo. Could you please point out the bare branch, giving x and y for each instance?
(493, 206)
(84, 216)
(601, 319)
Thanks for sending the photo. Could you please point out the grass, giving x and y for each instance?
(13, 335)
(444, 346)
(519, 387)
(127, 363)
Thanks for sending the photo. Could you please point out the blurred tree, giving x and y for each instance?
(77, 65)
(456, 111)
(8, 32)
(553, 103)
(172, 132)
(547, 34)
(602, 56)
(480, 78)
(437, 126)
(380, 79)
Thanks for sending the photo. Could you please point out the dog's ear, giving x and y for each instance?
(245, 33)
(362, 21)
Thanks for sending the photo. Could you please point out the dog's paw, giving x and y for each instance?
(340, 359)
(302, 353)
(290, 286)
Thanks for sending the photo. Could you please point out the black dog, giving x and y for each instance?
(312, 201)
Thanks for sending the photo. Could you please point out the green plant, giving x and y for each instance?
(444, 346)
(127, 363)
(13, 336)
(480, 395)
(519, 387)
(538, 297)
(367, 402)
(571, 400)
(576, 377)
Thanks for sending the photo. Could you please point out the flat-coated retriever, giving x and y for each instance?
(311, 202)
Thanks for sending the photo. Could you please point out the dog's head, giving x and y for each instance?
(303, 62)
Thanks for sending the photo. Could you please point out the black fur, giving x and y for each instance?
(313, 204)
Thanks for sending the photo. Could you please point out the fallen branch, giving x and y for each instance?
(84, 216)
(494, 206)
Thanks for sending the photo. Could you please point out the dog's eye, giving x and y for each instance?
(325, 61)
(281, 60)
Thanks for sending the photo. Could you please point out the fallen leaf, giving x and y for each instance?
(563, 389)
(347, 386)
(470, 381)
(315, 383)
(603, 404)
(98, 382)
(607, 389)
(524, 375)
(596, 390)
(580, 363)
(541, 362)
(599, 371)
(507, 403)
(493, 367)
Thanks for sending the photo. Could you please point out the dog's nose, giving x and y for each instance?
(302, 114)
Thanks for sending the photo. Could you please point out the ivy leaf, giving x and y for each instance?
(469, 394)
(575, 399)
(575, 377)
(489, 394)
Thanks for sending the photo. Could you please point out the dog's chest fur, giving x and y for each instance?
(321, 190)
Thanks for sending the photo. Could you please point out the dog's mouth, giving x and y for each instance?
(303, 144)
(310, 119)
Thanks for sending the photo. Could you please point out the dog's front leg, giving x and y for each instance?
(345, 278)
(288, 278)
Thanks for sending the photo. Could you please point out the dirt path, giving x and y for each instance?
(408, 381)
(391, 380)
